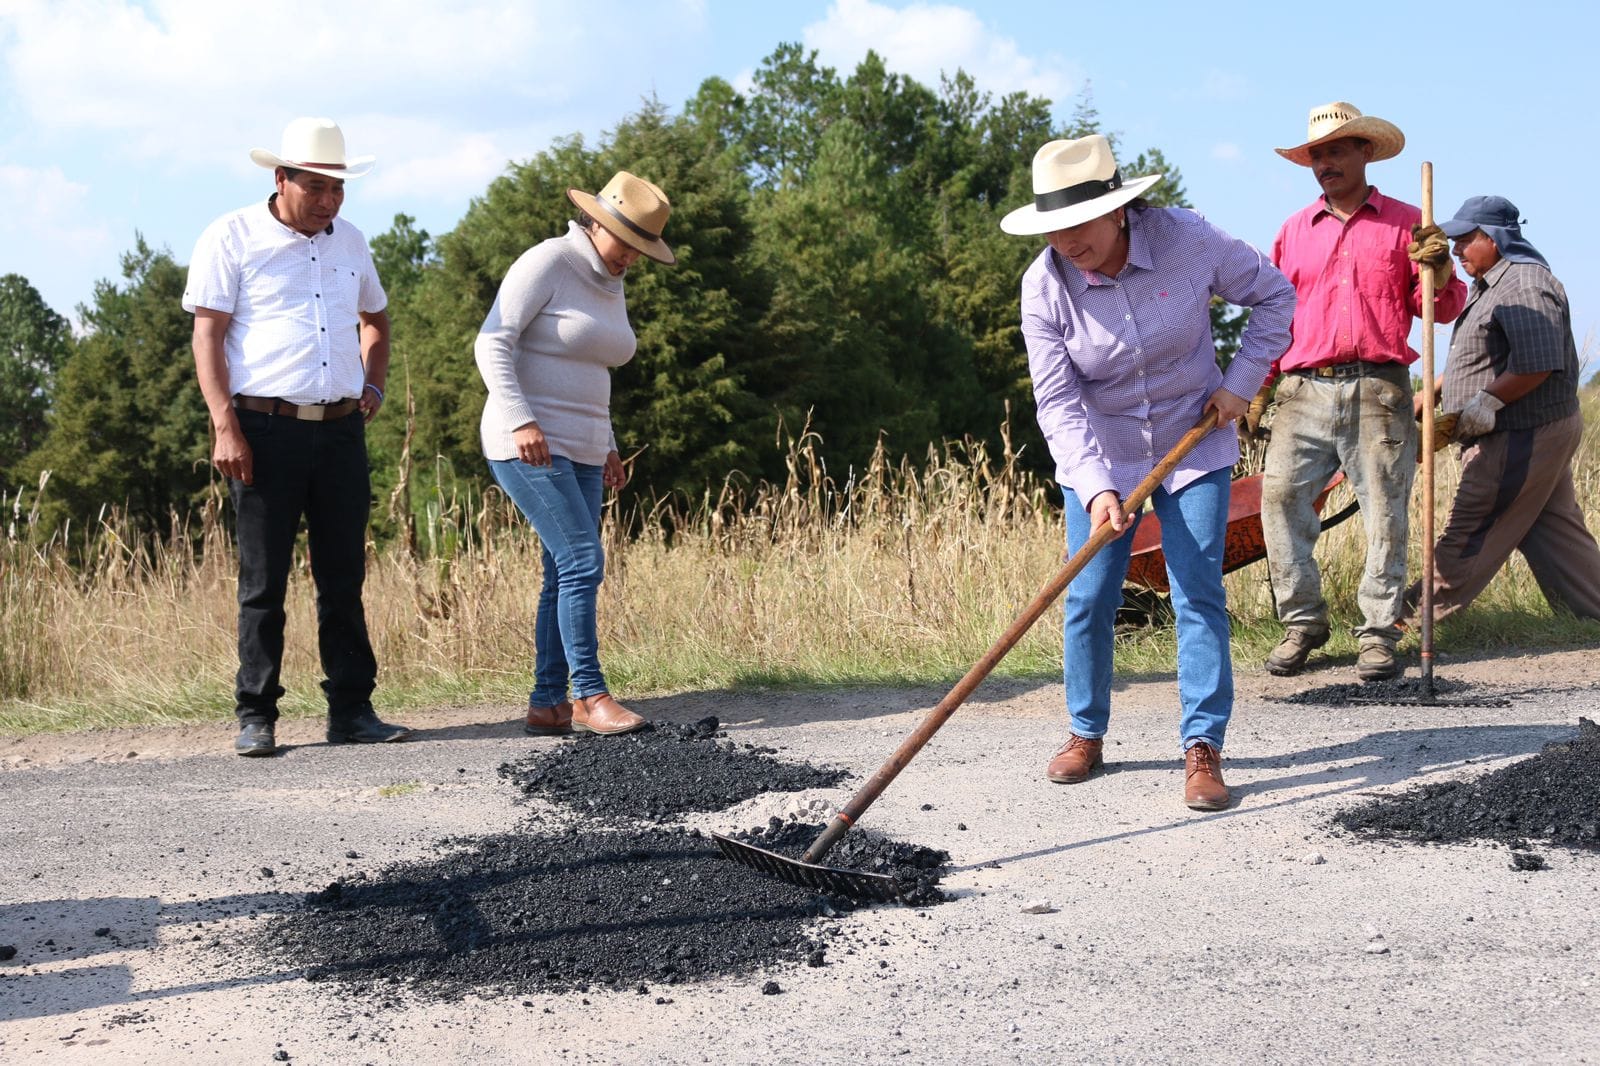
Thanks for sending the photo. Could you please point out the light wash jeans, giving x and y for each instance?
(1365, 426)
(1194, 525)
(562, 502)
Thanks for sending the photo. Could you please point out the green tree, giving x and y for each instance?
(129, 427)
(34, 343)
(401, 254)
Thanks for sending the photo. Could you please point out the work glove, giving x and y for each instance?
(1444, 431)
(1477, 418)
(1256, 412)
(1430, 250)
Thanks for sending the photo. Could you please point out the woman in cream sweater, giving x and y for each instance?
(546, 350)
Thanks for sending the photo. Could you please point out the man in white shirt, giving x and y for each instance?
(291, 346)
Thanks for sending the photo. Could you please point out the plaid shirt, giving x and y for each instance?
(1122, 367)
(1516, 320)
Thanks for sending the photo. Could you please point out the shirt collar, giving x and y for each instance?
(1493, 276)
(1375, 200)
(285, 225)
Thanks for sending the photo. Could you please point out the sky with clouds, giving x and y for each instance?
(120, 118)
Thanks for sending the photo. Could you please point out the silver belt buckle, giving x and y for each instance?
(311, 412)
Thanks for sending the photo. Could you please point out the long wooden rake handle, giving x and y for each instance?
(851, 812)
(1425, 607)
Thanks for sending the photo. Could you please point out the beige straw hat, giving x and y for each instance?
(1339, 119)
(632, 210)
(1074, 181)
(317, 145)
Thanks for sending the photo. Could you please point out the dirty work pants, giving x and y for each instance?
(1194, 527)
(1516, 494)
(1365, 426)
(319, 470)
(562, 503)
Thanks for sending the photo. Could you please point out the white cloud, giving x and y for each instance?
(45, 208)
(190, 82)
(924, 40)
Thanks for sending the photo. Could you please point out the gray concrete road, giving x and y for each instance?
(1177, 936)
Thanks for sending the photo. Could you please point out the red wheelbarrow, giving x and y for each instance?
(1147, 567)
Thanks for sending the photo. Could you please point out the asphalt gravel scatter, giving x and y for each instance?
(660, 774)
(1553, 796)
(1399, 690)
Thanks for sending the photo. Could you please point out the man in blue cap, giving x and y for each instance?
(1513, 376)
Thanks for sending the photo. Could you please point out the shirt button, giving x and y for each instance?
(1138, 373)
(319, 295)
(1127, 318)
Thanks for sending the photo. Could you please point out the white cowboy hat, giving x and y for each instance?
(631, 209)
(1339, 119)
(1074, 181)
(317, 145)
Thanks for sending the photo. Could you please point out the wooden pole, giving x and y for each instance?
(1425, 607)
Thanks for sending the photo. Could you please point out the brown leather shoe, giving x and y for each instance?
(602, 714)
(1377, 661)
(548, 721)
(1079, 758)
(1203, 787)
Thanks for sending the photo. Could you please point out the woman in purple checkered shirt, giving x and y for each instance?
(1116, 317)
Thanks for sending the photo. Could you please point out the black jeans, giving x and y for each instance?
(319, 470)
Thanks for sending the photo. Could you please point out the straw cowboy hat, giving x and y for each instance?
(1074, 181)
(317, 145)
(1339, 119)
(632, 210)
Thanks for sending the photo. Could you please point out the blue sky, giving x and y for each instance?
(119, 117)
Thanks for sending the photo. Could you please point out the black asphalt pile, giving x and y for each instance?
(1400, 690)
(578, 910)
(660, 774)
(597, 904)
(1553, 796)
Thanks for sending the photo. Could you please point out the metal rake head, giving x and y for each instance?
(852, 883)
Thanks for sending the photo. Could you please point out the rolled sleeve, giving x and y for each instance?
(213, 281)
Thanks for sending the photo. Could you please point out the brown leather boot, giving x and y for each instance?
(548, 721)
(1203, 787)
(1075, 761)
(602, 714)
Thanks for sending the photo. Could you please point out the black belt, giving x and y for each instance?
(308, 412)
(1354, 369)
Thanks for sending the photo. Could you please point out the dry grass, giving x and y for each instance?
(896, 573)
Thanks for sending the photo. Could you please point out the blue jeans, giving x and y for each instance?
(1194, 523)
(562, 503)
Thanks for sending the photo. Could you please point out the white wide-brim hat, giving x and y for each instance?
(317, 145)
(1073, 182)
(1330, 122)
(633, 210)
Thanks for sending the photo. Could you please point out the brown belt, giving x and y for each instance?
(311, 412)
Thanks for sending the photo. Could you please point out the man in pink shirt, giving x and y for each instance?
(1343, 397)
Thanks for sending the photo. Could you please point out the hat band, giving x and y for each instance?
(324, 166)
(1077, 194)
(626, 221)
